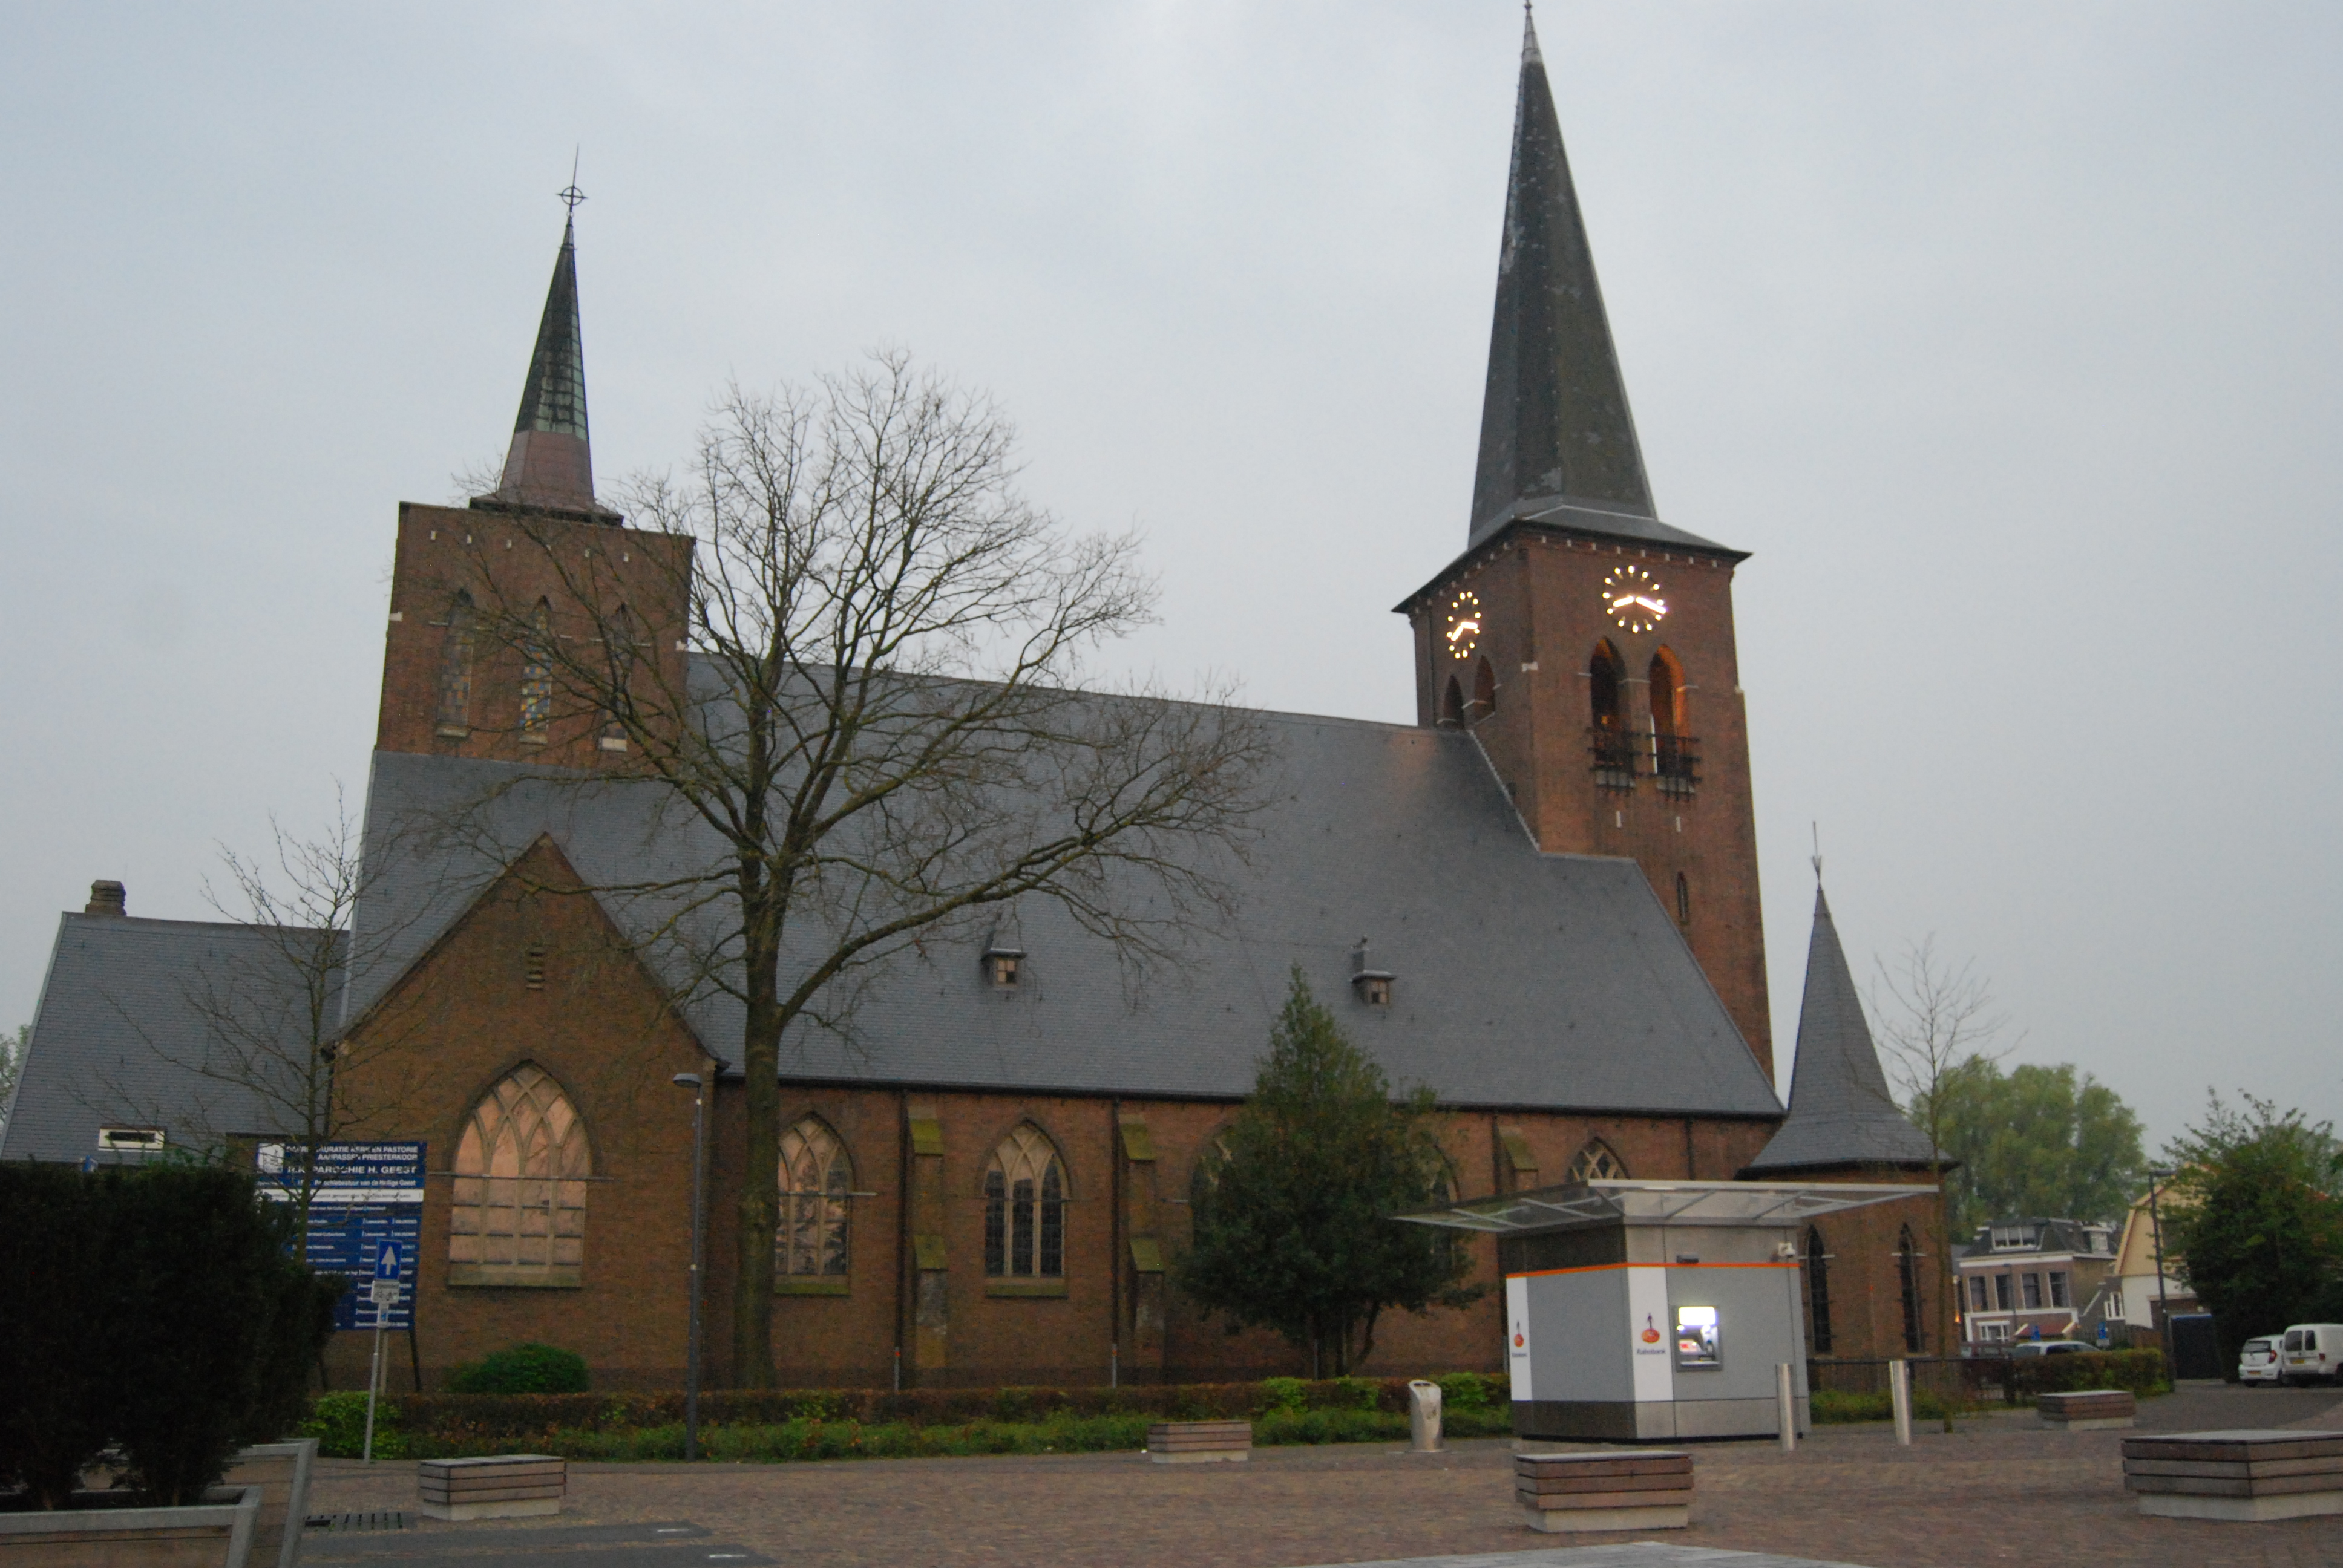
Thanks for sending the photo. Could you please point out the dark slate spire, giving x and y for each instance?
(551, 462)
(1841, 1113)
(1555, 424)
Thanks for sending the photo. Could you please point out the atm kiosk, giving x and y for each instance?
(1653, 1311)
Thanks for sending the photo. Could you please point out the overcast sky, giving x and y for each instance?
(2004, 336)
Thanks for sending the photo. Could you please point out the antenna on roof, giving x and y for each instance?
(570, 193)
(1817, 830)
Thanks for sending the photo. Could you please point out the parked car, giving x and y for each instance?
(2056, 1347)
(2258, 1361)
(2311, 1352)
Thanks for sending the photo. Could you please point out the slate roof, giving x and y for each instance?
(1841, 1112)
(124, 1030)
(1521, 979)
(1554, 421)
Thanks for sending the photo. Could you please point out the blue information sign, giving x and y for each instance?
(366, 1221)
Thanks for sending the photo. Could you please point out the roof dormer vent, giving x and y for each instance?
(1368, 983)
(1004, 957)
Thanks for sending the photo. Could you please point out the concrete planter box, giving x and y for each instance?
(1198, 1442)
(215, 1533)
(1567, 1494)
(503, 1486)
(2093, 1411)
(281, 1470)
(2244, 1475)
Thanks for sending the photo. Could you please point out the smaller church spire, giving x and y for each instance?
(551, 460)
(1841, 1115)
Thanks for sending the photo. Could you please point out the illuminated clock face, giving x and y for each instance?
(1464, 628)
(1631, 597)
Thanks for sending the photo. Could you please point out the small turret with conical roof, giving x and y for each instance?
(1841, 1112)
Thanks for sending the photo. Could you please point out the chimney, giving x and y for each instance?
(107, 899)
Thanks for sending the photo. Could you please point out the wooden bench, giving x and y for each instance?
(1613, 1489)
(505, 1486)
(1198, 1442)
(2238, 1475)
(2088, 1411)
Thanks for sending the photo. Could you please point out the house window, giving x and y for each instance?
(815, 1180)
(1977, 1294)
(2059, 1289)
(521, 1169)
(1595, 1162)
(2114, 1302)
(455, 666)
(2030, 1289)
(2001, 1293)
(1025, 1209)
(1818, 1318)
(1997, 1333)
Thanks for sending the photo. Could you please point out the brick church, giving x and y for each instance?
(1541, 898)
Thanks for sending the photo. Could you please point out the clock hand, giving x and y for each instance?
(1657, 605)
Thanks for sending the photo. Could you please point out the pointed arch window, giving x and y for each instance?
(1907, 1280)
(456, 656)
(1452, 705)
(816, 1177)
(1614, 751)
(1484, 691)
(1684, 900)
(620, 643)
(521, 1168)
(537, 675)
(1025, 1209)
(1818, 1311)
(1596, 1162)
(1674, 749)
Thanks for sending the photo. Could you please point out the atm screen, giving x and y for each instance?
(1697, 1344)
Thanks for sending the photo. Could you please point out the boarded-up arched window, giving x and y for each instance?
(521, 1167)
(1025, 1209)
(1595, 1162)
(815, 1180)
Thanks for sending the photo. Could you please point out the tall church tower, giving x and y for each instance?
(491, 601)
(1588, 645)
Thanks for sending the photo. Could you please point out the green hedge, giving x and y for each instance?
(836, 1423)
(2142, 1371)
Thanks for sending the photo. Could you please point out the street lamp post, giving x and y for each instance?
(2155, 1179)
(691, 1355)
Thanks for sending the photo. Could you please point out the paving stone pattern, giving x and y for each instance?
(2002, 1489)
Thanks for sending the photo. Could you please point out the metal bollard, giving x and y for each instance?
(1899, 1395)
(1423, 1416)
(1785, 1407)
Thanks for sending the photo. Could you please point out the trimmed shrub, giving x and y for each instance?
(1283, 1394)
(337, 1421)
(529, 1367)
(1470, 1391)
(2142, 1371)
(53, 1366)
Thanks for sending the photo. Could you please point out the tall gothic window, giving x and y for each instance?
(1595, 1162)
(1818, 1318)
(619, 644)
(1672, 743)
(537, 674)
(456, 664)
(521, 1169)
(1614, 753)
(815, 1180)
(1025, 1209)
(1907, 1279)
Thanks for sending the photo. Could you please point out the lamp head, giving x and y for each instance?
(686, 1081)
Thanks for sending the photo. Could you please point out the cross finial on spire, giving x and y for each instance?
(1530, 55)
(1817, 830)
(570, 193)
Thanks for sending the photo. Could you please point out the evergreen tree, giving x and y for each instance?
(1292, 1211)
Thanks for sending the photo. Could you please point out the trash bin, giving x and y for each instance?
(1423, 1416)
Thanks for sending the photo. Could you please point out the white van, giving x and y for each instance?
(2312, 1351)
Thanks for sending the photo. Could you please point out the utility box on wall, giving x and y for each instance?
(1652, 1310)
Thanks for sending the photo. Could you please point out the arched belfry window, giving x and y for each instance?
(1613, 750)
(1818, 1314)
(537, 674)
(455, 652)
(1595, 1162)
(1907, 1280)
(521, 1169)
(1484, 690)
(1025, 1209)
(620, 643)
(1452, 705)
(816, 1177)
(1672, 746)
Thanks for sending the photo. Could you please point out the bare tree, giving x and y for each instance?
(1937, 1023)
(878, 728)
(268, 1009)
